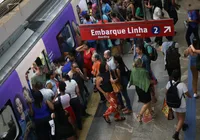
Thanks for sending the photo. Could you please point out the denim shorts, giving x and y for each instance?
(193, 60)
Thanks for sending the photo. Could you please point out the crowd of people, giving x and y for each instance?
(60, 94)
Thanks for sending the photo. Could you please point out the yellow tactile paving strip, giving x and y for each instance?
(91, 109)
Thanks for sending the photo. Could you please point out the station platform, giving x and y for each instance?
(95, 128)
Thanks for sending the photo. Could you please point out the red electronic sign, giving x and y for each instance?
(133, 29)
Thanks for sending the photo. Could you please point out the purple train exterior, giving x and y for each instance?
(15, 83)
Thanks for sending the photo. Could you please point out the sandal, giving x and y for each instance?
(120, 119)
(139, 118)
(127, 111)
(107, 119)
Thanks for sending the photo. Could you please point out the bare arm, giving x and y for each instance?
(50, 105)
(80, 48)
(77, 90)
(188, 95)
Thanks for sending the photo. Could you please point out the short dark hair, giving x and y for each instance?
(87, 17)
(89, 3)
(169, 38)
(102, 68)
(62, 86)
(113, 14)
(175, 75)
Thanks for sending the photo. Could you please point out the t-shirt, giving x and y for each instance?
(165, 47)
(106, 8)
(47, 94)
(111, 64)
(193, 15)
(139, 12)
(157, 14)
(65, 100)
(38, 78)
(67, 67)
(71, 88)
(148, 48)
(182, 89)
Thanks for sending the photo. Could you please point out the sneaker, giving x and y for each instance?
(176, 136)
(195, 95)
(185, 127)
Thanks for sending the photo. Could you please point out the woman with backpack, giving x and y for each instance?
(180, 111)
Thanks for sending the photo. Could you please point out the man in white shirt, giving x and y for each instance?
(180, 112)
(110, 60)
(165, 46)
(48, 94)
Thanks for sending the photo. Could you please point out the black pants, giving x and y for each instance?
(189, 32)
(173, 14)
(76, 106)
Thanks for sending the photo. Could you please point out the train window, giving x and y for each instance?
(77, 33)
(65, 39)
(9, 129)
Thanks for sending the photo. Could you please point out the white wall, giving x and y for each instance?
(83, 5)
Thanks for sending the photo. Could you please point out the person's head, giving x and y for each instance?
(87, 17)
(175, 75)
(19, 105)
(169, 38)
(39, 86)
(139, 49)
(89, 4)
(71, 57)
(74, 66)
(95, 57)
(66, 77)
(104, 1)
(38, 98)
(50, 75)
(147, 40)
(98, 16)
(113, 15)
(26, 94)
(103, 68)
(118, 60)
(107, 54)
(157, 4)
(137, 63)
(62, 86)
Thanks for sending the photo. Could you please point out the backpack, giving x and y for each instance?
(154, 53)
(167, 4)
(172, 57)
(172, 97)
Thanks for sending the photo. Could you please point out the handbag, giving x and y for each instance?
(168, 112)
(116, 86)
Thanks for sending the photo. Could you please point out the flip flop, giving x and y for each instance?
(120, 119)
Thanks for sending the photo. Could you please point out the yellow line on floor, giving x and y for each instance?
(91, 109)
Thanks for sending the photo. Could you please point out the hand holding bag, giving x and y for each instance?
(168, 112)
(116, 86)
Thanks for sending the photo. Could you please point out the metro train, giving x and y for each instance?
(44, 32)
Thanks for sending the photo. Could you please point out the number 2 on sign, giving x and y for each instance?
(155, 30)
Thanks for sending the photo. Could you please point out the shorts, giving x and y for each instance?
(179, 110)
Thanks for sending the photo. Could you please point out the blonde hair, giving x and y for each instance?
(137, 63)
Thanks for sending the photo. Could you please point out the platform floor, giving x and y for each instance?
(95, 128)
